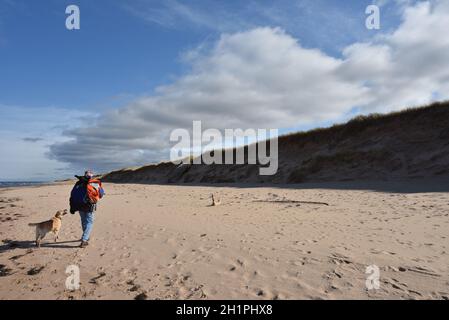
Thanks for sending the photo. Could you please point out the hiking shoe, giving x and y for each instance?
(84, 244)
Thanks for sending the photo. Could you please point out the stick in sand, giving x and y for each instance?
(293, 201)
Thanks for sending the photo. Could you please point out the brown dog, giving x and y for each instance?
(53, 225)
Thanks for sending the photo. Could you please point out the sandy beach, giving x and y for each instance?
(167, 242)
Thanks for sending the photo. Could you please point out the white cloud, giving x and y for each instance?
(259, 78)
(264, 78)
(409, 66)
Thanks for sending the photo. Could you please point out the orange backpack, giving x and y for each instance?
(94, 190)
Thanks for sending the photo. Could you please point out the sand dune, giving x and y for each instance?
(167, 242)
(409, 144)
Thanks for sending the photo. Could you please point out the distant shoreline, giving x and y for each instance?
(19, 184)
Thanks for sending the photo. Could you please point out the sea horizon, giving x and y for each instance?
(21, 183)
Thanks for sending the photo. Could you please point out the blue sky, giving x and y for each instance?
(120, 52)
(62, 90)
(114, 54)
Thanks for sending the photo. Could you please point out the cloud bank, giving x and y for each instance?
(264, 78)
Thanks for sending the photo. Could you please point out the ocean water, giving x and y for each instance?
(11, 184)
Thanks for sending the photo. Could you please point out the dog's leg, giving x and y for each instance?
(41, 237)
(37, 238)
(56, 235)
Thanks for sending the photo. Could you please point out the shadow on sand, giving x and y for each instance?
(10, 245)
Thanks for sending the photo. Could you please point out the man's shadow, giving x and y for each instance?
(10, 245)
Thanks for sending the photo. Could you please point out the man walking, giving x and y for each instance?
(84, 198)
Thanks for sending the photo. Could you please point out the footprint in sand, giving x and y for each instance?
(35, 270)
(5, 271)
(141, 296)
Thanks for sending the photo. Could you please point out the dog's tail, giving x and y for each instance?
(33, 224)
